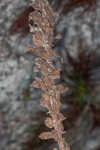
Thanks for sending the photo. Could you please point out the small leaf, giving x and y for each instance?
(49, 122)
(58, 36)
(35, 84)
(46, 135)
(45, 101)
(50, 135)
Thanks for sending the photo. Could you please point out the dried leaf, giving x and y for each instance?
(55, 74)
(61, 117)
(62, 89)
(31, 48)
(37, 38)
(45, 100)
(35, 84)
(49, 122)
(47, 135)
(58, 36)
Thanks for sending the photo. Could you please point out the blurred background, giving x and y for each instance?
(21, 116)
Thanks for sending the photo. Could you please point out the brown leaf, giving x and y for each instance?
(49, 122)
(61, 117)
(58, 36)
(62, 89)
(35, 84)
(45, 100)
(50, 135)
(47, 135)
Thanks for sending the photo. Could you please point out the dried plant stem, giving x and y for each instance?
(42, 25)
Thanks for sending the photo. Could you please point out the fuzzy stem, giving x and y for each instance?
(42, 27)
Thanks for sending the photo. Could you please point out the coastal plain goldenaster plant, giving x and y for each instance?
(41, 23)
